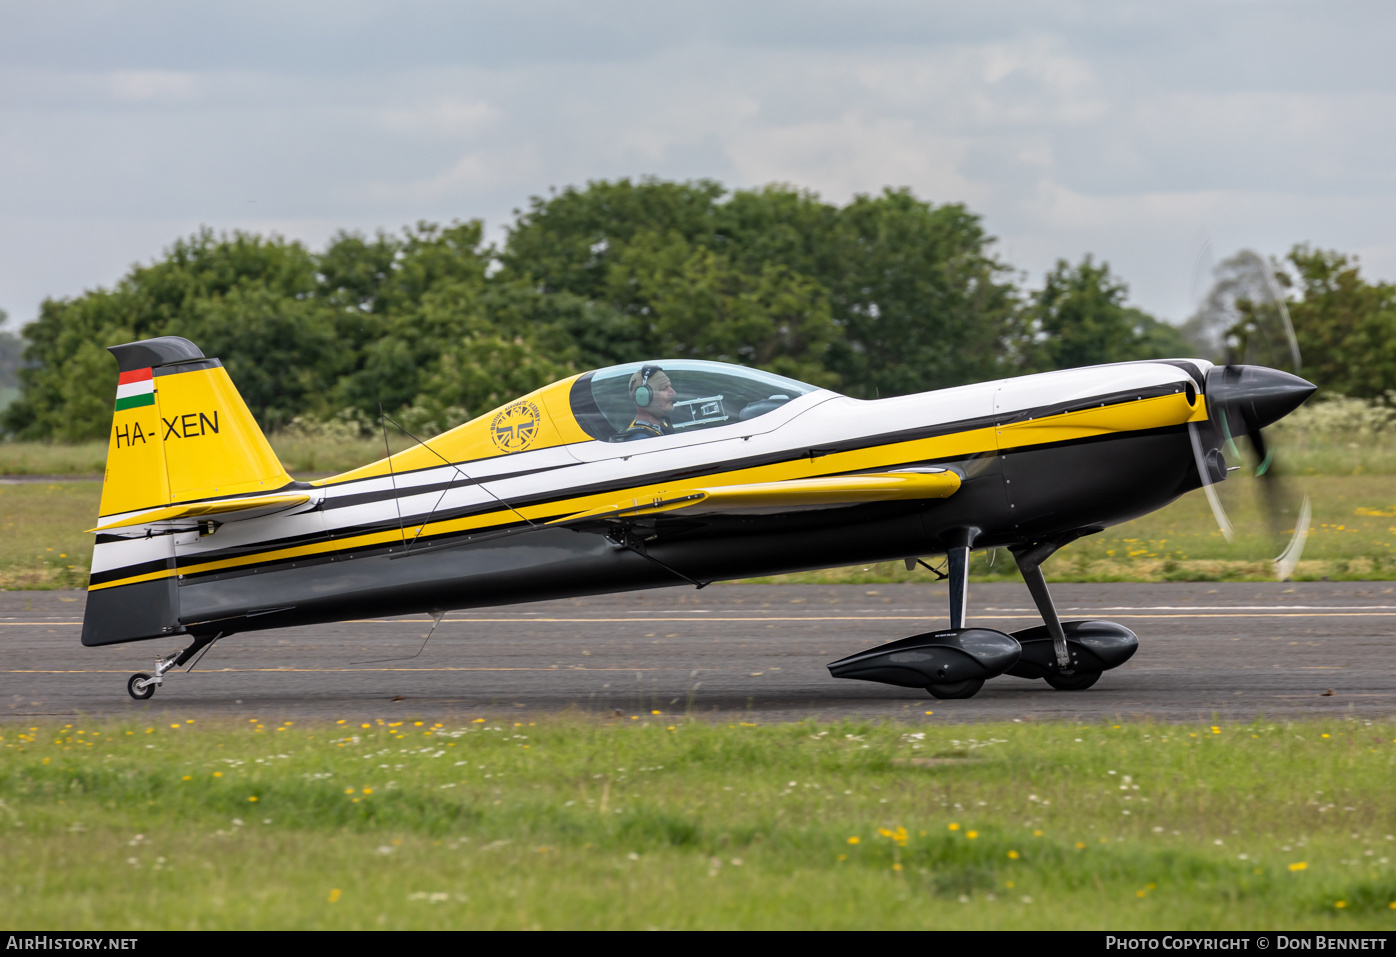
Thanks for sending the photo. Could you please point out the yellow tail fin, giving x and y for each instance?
(181, 431)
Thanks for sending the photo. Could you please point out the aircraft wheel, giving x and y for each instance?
(957, 689)
(1077, 682)
(142, 693)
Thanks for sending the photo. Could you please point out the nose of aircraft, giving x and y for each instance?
(1262, 395)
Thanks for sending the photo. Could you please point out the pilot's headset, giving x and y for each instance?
(641, 390)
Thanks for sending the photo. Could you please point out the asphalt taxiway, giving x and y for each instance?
(1305, 649)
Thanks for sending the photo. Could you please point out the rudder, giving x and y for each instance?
(180, 433)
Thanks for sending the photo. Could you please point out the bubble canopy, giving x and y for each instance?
(706, 395)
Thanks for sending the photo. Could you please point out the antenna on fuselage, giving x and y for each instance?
(388, 453)
(436, 617)
(455, 466)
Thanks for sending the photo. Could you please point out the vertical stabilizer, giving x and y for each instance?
(180, 433)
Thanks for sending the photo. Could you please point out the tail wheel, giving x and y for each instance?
(136, 689)
(1077, 682)
(957, 689)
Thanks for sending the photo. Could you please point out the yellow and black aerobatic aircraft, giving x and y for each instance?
(650, 474)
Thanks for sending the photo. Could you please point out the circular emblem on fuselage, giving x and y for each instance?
(516, 427)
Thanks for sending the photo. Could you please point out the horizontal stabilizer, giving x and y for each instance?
(775, 497)
(227, 510)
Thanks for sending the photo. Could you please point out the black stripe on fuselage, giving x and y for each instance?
(427, 539)
(131, 571)
(394, 524)
(554, 562)
(403, 547)
(764, 459)
(485, 508)
(757, 461)
(1082, 405)
(652, 478)
(460, 480)
(844, 445)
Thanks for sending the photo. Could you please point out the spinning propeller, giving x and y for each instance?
(1243, 397)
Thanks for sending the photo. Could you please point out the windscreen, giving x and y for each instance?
(647, 399)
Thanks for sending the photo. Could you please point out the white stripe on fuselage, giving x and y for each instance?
(809, 421)
(812, 420)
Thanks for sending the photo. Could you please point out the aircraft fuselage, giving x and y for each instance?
(1038, 456)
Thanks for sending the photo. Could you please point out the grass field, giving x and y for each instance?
(43, 542)
(655, 821)
(43, 545)
(300, 455)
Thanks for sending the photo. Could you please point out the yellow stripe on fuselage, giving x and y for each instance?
(1151, 413)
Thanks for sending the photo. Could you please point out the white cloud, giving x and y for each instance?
(445, 118)
(152, 86)
(848, 155)
(477, 171)
(1132, 131)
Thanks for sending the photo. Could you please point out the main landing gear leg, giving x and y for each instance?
(958, 555)
(1030, 559)
(959, 584)
(142, 686)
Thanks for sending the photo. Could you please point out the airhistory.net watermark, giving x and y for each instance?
(51, 942)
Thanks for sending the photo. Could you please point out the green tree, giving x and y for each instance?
(697, 304)
(922, 303)
(282, 352)
(11, 356)
(677, 270)
(202, 286)
(1346, 326)
(1240, 284)
(491, 345)
(400, 302)
(1079, 318)
(911, 299)
(363, 324)
(568, 242)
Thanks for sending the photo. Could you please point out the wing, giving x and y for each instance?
(775, 497)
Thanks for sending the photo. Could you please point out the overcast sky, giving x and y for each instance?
(1153, 135)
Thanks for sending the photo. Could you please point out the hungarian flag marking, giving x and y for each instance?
(135, 389)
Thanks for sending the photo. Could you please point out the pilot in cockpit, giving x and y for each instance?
(653, 394)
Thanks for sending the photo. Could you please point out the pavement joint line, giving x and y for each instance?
(1204, 608)
(317, 671)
